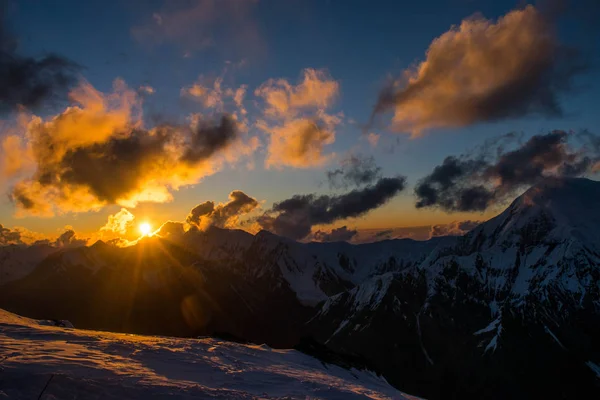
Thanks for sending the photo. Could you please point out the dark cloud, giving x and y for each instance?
(342, 234)
(386, 233)
(474, 182)
(208, 138)
(448, 186)
(296, 216)
(118, 242)
(132, 157)
(171, 230)
(69, 239)
(9, 236)
(222, 215)
(201, 210)
(27, 81)
(355, 170)
(97, 166)
(538, 155)
(483, 70)
(455, 228)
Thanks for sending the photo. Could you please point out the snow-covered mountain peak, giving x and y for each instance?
(572, 202)
(554, 210)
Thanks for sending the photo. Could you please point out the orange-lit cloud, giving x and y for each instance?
(483, 70)
(23, 236)
(147, 89)
(341, 234)
(99, 153)
(225, 25)
(17, 156)
(455, 228)
(70, 239)
(223, 215)
(296, 121)
(300, 142)
(216, 96)
(9, 236)
(317, 90)
(172, 230)
(119, 222)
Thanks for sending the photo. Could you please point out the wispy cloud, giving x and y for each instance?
(454, 228)
(341, 234)
(355, 170)
(229, 26)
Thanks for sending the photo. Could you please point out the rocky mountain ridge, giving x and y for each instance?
(511, 309)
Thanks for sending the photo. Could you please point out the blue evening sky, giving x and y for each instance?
(360, 43)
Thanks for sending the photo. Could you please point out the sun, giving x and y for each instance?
(145, 229)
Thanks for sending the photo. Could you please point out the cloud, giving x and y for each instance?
(295, 217)
(301, 142)
(449, 186)
(16, 157)
(146, 89)
(384, 234)
(99, 153)
(376, 235)
(484, 71)
(297, 123)
(474, 182)
(342, 234)
(316, 90)
(9, 236)
(30, 82)
(356, 170)
(227, 26)
(373, 139)
(69, 239)
(455, 228)
(119, 222)
(222, 215)
(171, 230)
(216, 96)
(22, 236)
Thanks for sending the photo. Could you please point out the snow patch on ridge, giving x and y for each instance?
(72, 363)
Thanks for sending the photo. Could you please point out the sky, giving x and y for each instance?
(312, 119)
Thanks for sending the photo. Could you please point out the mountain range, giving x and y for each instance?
(509, 310)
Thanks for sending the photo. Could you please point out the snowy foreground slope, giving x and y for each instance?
(71, 363)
